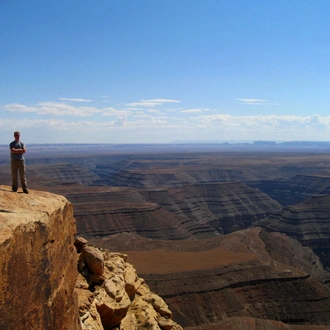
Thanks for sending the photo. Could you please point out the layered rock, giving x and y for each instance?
(190, 167)
(295, 189)
(308, 222)
(194, 211)
(249, 323)
(37, 262)
(117, 210)
(253, 274)
(111, 295)
(226, 206)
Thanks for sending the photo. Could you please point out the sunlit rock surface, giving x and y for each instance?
(38, 262)
(111, 295)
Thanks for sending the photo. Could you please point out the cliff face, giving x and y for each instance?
(38, 262)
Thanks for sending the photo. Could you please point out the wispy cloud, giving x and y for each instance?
(53, 108)
(154, 111)
(74, 100)
(138, 127)
(264, 121)
(164, 123)
(253, 101)
(116, 112)
(197, 110)
(152, 102)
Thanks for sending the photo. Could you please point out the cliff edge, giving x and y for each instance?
(38, 262)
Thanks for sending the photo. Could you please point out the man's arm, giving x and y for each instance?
(18, 151)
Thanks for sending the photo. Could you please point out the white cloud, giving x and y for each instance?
(264, 121)
(194, 110)
(16, 107)
(53, 108)
(115, 112)
(154, 111)
(77, 123)
(253, 101)
(74, 100)
(152, 102)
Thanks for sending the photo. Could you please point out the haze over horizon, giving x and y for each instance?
(152, 71)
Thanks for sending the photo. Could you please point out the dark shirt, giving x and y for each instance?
(16, 145)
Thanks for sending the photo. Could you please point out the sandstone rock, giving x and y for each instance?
(131, 280)
(145, 316)
(123, 300)
(166, 324)
(80, 243)
(93, 259)
(158, 304)
(111, 312)
(115, 287)
(37, 262)
(89, 316)
(81, 282)
(142, 288)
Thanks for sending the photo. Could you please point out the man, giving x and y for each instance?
(17, 149)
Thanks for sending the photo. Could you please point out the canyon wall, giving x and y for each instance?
(308, 222)
(38, 262)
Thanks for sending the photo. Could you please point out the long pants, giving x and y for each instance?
(18, 166)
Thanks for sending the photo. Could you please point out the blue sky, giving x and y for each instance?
(157, 71)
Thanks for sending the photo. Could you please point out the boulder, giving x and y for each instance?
(94, 260)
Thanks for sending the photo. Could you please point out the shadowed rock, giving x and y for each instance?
(308, 222)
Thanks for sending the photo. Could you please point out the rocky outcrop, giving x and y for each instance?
(111, 295)
(37, 262)
(308, 222)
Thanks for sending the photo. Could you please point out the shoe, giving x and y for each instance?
(25, 191)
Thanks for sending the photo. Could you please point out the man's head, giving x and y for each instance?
(17, 135)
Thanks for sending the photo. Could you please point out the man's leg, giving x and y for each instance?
(14, 169)
(23, 175)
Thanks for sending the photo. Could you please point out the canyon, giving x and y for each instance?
(225, 238)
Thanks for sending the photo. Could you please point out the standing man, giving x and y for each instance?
(17, 149)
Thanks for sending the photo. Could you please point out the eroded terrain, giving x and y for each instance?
(218, 234)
